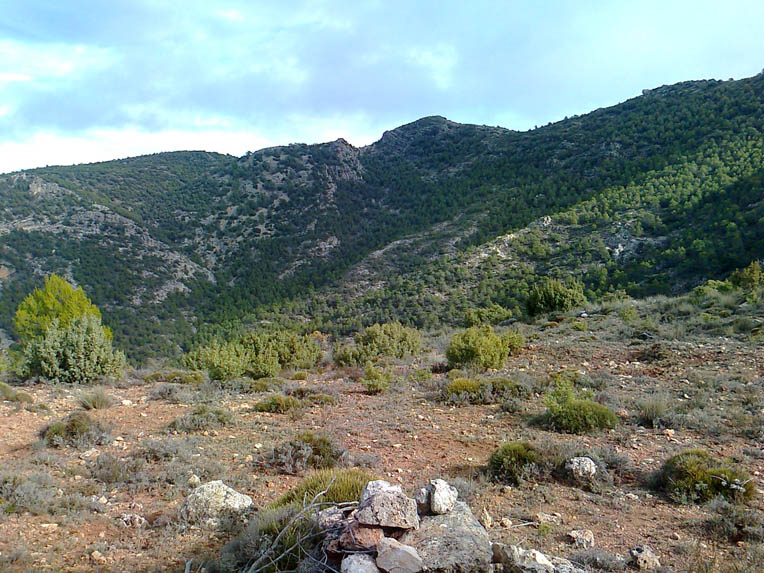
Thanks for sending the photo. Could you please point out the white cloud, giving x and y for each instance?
(439, 60)
(25, 62)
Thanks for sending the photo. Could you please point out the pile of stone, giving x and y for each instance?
(390, 532)
(434, 531)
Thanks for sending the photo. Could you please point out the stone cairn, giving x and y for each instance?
(393, 533)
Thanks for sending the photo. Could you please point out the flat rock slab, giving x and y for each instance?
(452, 542)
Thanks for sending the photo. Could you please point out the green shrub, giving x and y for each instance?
(391, 339)
(483, 391)
(96, 399)
(749, 278)
(188, 377)
(466, 391)
(480, 347)
(224, 361)
(513, 341)
(511, 461)
(504, 388)
(78, 353)
(292, 350)
(652, 412)
(201, 418)
(277, 404)
(57, 301)
(11, 395)
(554, 296)
(566, 412)
(275, 539)
(306, 450)
(421, 376)
(343, 485)
(694, 476)
(491, 314)
(77, 429)
(376, 380)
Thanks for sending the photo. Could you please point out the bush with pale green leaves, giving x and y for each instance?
(229, 360)
(554, 296)
(80, 352)
(391, 339)
(480, 347)
(57, 300)
(292, 350)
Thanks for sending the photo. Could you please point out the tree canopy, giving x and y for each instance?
(57, 300)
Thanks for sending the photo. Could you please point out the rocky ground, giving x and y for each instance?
(115, 504)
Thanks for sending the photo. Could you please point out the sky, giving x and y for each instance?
(93, 80)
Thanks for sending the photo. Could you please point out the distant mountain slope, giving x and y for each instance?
(649, 195)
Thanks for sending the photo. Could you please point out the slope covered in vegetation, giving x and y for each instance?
(649, 196)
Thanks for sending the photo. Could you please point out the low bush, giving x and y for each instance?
(343, 485)
(172, 393)
(110, 469)
(477, 347)
(465, 390)
(96, 399)
(651, 413)
(376, 380)
(483, 391)
(554, 296)
(10, 394)
(307, 450)
(37, 493)
(80, 352)
(735, 523)
(201, 418)
(491, 314)
(224, 361)
(78, 429)
(278, 404)
(291, 350)
(189, 377)
(275, 539)
(511, 462)
(571, 414)
(694, 476)
(392, 339)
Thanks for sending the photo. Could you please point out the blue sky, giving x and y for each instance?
(90, 80)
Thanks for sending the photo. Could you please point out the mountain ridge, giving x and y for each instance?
(211, 238)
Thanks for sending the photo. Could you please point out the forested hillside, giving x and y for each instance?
(649, 196)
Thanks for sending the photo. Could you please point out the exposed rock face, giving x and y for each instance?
(582, 468)
(395, 557)
(359, 563)
(453, 542)
(644, 558)
(388, 508)
(211, 502)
